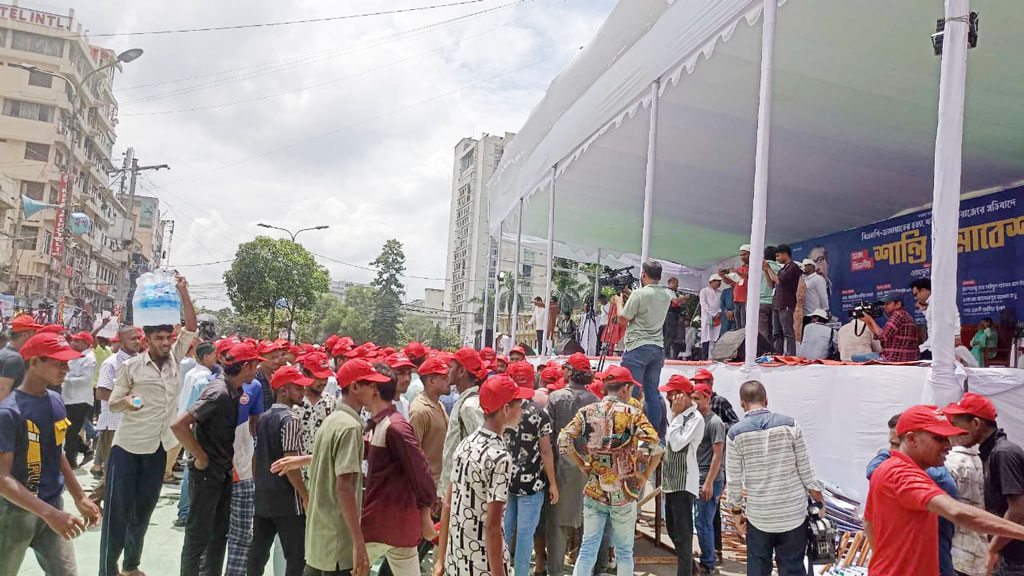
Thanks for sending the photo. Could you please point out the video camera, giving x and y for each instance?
(207, 331)
(618, 278)
(873, 309)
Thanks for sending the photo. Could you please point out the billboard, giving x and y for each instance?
(864, 264)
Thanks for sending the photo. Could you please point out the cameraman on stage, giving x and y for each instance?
(643, 317)
(899, 336)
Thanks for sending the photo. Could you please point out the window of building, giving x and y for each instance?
(41, 79)
(466, 162)
(28, 110)
(29, 42)
(47, 242)
(33, 190)
(37, 152)
(54, 195)
(28, 238)
(527, 270)
(3, 36)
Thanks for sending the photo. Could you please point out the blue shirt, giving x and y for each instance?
(941, 476)
(251, 402)
(33, 428)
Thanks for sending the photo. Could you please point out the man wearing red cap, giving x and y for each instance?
(207, 431)
(530, 446)
(33, 469)
(403, 368)
(316, 405)
(400, 491)
(12, 366)
(612, 431)
(471, 541)
(427, 416)
(466, 415)
(417, 354)
(78, 396)
(903, 506)
(710, 454)
(563, 405)
(719, 404)
(680, 473)
(281, 501)
(1003, 463)
(274, 352)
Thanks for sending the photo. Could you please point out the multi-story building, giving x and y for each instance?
(147, 247)
(47, 144)
(468, 246)
(430, 307)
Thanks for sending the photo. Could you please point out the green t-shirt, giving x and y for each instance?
(768, 291)
(646, 309)
(337, 450)
(101, 355)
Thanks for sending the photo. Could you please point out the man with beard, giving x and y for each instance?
(129, 344)
(466, 415)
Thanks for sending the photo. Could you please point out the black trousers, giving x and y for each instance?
(73, 445)
(291, 530)
(679, 517)
(133, 483)
(207, 529)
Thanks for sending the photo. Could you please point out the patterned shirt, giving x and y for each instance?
(109, 420)
(899, 338)
(524, 445)
(481, 473)
(723, 408)
(312, 416)
(970, 548)
(612, 431)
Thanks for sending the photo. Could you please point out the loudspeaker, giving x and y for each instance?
(729, 347)
(30, 206)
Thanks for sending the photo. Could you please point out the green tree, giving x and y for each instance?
(387, 309)
(268, 271)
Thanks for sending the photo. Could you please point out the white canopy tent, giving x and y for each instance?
(662, 106)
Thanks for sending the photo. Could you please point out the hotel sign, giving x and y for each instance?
(19, 14)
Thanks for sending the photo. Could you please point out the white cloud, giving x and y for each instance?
(385, 173)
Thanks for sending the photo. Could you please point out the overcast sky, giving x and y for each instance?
(368, 152)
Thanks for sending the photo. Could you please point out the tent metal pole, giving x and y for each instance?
(946, 201)
(542, 346)
(597, 282)
(497, 292)
(487, 291)
(652, 151)
(514, 316)
(757, 226)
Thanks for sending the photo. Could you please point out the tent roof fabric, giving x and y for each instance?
(853, 126)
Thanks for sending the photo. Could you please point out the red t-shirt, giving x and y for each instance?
(906, 534)
(739, 291)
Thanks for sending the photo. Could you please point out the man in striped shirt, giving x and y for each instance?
(768, 459)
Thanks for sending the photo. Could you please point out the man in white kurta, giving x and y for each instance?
(710, 315)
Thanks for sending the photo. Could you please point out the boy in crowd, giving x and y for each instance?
(680, 475)
(427, 416)
(712, 476)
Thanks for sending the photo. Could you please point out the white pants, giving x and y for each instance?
(403, 561)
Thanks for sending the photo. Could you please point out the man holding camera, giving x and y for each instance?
(899, 336)
(643, 317)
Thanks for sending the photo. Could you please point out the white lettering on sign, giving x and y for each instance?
(19, 14)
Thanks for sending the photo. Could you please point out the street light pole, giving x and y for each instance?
(291, 309)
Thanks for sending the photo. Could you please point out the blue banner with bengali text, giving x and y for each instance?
(867, 263)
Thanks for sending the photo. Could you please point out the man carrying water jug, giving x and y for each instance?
(146, 390)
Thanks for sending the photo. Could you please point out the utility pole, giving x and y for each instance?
(132, 167)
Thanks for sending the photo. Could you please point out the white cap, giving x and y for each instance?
(745, 248)
(714, 277)
(820, 314)
(808, 262)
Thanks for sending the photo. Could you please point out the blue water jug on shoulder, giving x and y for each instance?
(156, 301)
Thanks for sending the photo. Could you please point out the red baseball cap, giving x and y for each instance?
(579, 361)
(225, 344)
(434, 365)
(973, 405)
(468, 359)
(83, 336)
(522, 373)
(487, 353)
(399, 360)
(49, 345)
(24, 323)
(415, 350)
(597, 388)
(502, 358)
(704, 374)
(927, 418)
(361, 350)
(616, 374)
(518, 350)
(498, 391)
(331, 341)
(703, 387)
(288, 374)
(316, 363)
(358, 370)
(551, 374)
(273, 346)
(54, 329)
(678, 383)
(242, 352)
(339, 348)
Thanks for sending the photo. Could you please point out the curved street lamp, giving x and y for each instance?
(289, 232)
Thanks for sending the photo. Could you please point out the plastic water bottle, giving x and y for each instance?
(156, 301)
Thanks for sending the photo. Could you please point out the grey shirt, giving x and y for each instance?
(562, 408)
(714, 433)
(12, 365)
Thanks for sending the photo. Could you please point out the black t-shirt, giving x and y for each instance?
(216, 414)
(1004, 476)
(12, 365)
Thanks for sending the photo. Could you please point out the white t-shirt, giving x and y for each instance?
(816, 341)
(927, 345)
(602, 320)
(540, 317)
(244, 448)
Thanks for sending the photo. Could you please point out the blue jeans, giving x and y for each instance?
(645, 363)
(706, 525)
(623, 520)
(521, 517)
(183, 500)
(866, 357)
(789, 548)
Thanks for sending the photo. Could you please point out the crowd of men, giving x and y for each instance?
(347, 454)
